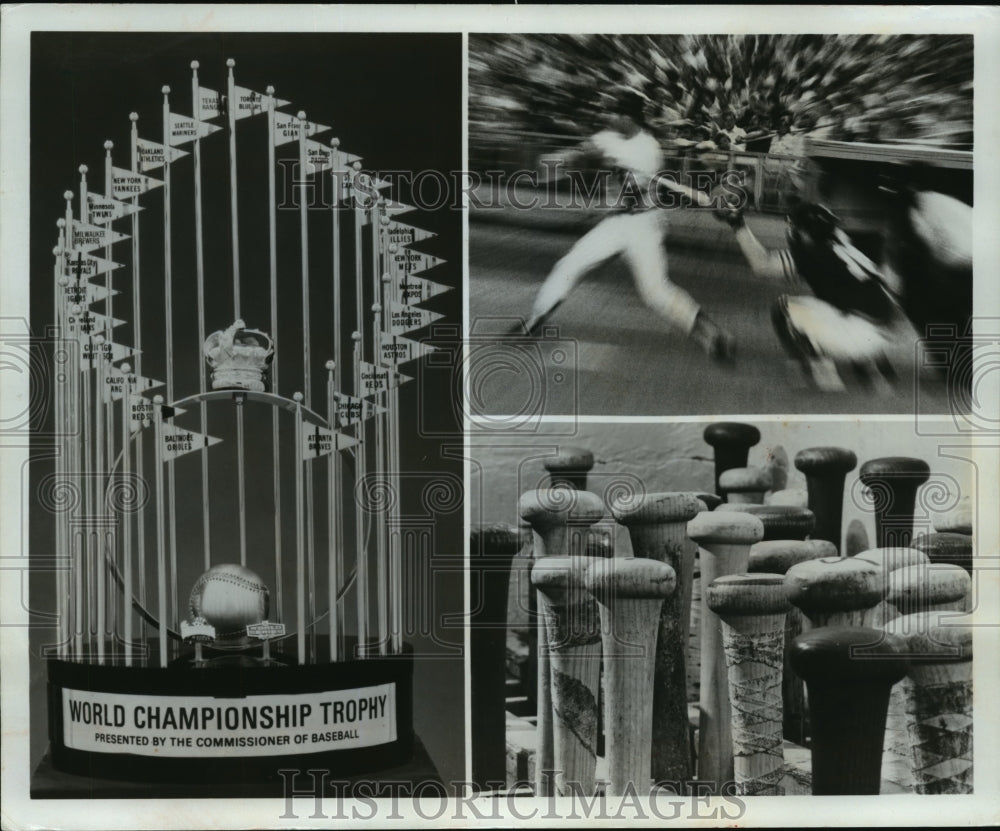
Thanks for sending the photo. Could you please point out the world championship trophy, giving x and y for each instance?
(234, 601)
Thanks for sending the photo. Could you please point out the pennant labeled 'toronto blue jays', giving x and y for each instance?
(177, 442)
(184, 129)
(104, 209)
(376, 379)
(86, 237)
(319, 441)
(125, 184)
(401, 234)
(288, 128)
(86, 266)
(394, 350)
(87, 322)
(412, 290)
(116, 381)
(153, 155)
(94, 354)
(250, 103)
(351, 410)
(404, 319)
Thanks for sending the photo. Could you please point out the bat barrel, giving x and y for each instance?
(731, 441)
(825, 469)
(893, 482)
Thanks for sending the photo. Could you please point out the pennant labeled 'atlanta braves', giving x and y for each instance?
(84, 293)
(94, 354)
(250, 103)
(288, 128)
(413, 290)
(87, 266)
(376, 379)
(103, 209)
(177, 442)
(86, 237)
(351, 410)
(125, 184)
(394, 350)
(404, 319)
(209, 103)
(401, 234)
(153, 155)
(115, 381)
(183, 129)
(319, 441)
(87, 322)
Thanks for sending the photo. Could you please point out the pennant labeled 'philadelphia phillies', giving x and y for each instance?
(288, 128)
(250, 103)
(405, 261)
(376, 379)
(125, 184)
(403, 318)
(394, 350)
(413, 290)
(319, 441)
(177, 442)
(104, 209)
(87, 322)
(183, 129)
(84, 293)
(94, 354)
(209, 103)
(115, 381)
(401, 234)
(86, 237)
(87, 266)
(153, 155)
(351, 410)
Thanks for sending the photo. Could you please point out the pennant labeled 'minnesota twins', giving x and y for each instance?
(104, 209)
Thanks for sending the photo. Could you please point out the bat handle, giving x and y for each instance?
(825, 469)
(893, 482)
(731, 441)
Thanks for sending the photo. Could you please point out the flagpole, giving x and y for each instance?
(241, 489)
(334, 566)
(199, 253)
(300, 611)
(381, 557)
(109, 444)
(127, 518)
(234, 204)
(272, 228)
(337, 483)
(62, 560)
(361, 564)
(161, 557)
(101, 567)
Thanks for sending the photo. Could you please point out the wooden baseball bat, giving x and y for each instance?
(893, 482)
(956, 521)
(946, 547)
(745, 485)
(781, 522)
(849, 672)
(724, 540)
(549, 512)
(491, 549)
(731, 441)
(711, 501)
(572, 629)
(657, 526)
(825, 469)
(888, 560)
(569, 467)
(835, 591)
(794, 497)
(752, 609)
(934, 587)
(630, 592)
(940, 672)
(776, 557)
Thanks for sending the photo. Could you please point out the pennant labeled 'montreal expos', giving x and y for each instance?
(153, 155)
(183, 129)
(376, 379)
(405, 318)
(86, 237)
(288, 128)
(177, 442)
(351, 410)
(412, 290)
(401, 234)
(394, 350)
(319, 441)
(104, 209)
(125, 184)
(85, 266)
(250, 103)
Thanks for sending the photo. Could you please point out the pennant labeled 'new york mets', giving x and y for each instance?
(319, 441)
(413, 262)
(394, 350)
(125, 184)
(177, 442)
(404, 319)
(153, 155)
(86, 237)
(184, 129)
(104, 209)
(376, 379)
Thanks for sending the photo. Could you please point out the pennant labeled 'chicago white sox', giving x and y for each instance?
(125, 184)
(84, 293)
(104, 209)
(319, 441)
(394, 350)
(86, 237)
(87, 322)
(177, 442)
(403, 318)
(183, 129)
(153, 155)
(288, 128)
(413, 290)
(250, 103)
(86, 266)
(209, 103)
(94, 354)
(351, 410)
(401, 234)
(376, 379)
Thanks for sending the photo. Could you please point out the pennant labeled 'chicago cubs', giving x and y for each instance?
(401, 234)
(183, 129)
(86, 237)
(287, 128)
(153, 155)
(87, 266)
(376, 379)
(351, 410)
(104, 209)
(394, 350)
(403, 318)
(413, 290)
(250, 103)
(319, 441)
(177, 442)
(125, 184)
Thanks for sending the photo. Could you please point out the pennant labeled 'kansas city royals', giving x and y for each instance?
(177, 442)
(288, 128)
(319, 441)
(351, 410)
(86, 237)
(104, 209)
(209, 103)
(183, 129)
(153, 155)
(84, 293)
(125, 184)
(250, 103)
(413, 290)
(87, 322)
(394, 350)
(401, 234)
(93, 354)
(87, 266)
(376, 379)
(404, 319)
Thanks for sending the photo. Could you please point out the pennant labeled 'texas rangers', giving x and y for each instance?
(288, 128)
(413, 290)
(250, 103)
(401, 234)
(183, 129)
(86, 237)
(209, 103)
(115, 381)
(86, 266)
(153, 155)
(87, 322)
(404, 319)
(94, 354)
(84, 293)
(125, 184)
(394, 350)
(351, 410)
(104, 209)
(177, 442)
(376, 379)
(319, 441)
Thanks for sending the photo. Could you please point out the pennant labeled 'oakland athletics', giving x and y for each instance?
(183, 129)
(319, 441)
(94, 354)
(351, 410)
(177, 442)
(394, 350)
(103, 209)
(413, 290)
(86, 237)
(401, 234)
(153, 155)
(288, 127)
(86, 266)
(250, 103)
(404, 319)
(125, 184)
(376, 379)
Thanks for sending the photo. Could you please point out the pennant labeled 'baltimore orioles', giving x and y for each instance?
(153, 155)
(376, 379)
(288, 128)
(250, 103)
(351, 410)
(86, 237)
(183, 129)
(394, 350)
(177, 442)
(125, 184)
(319, 441)
(404, 319)
(86, 266)
(104, 209)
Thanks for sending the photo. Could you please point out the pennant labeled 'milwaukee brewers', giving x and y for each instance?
(351, 410)
(86, 266)
(86, 237)
(376, 379)
(403, 318)
(288, 128)
(94, 354)
(125, 184)
(153, 155)
(177, 442)
(394, 350)
(184, 128)
(412, 290)
(399, 233)
(104, 209)
(115, 380)
(250, 103)
(319, 441)
(87, 322)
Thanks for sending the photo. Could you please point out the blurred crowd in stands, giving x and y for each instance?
(759, 93)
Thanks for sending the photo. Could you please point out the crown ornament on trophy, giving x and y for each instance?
(239, 357)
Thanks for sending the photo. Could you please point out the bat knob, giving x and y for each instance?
(547, 507)
(655, 508)
(781, 522)
(834, 584)
(890, 559)
(711, 501)
(895, 469)
(495, 540)
(732, 528)
(561, 579)
(922, 587)
(944, 547)
(638, 578)
(748, 595)
(732, 441)
(927, 642)
(570, 467)
(821, 460)
(777, 556)
(744, 481)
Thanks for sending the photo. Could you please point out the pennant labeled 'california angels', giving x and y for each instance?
(183, 129)
(84, 293)
(250, 103)
(86, 237)
(209, 103)
(115, 381)
(351, 410)
(87, 266)
(319, 441)
(87, 322)
(288, 128)
(394, 350)
(104, 209)
(177, 442)
(125, 184)
(401, 234)
(413, 290)
(403, 318)
(153, 155)
(94, 354)
(376, 379)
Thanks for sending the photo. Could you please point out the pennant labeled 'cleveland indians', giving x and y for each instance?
(125, 184)
(87, 322)
(404, 319)
(153, 155)
(401, 234)
(87, 266)
(103, 209)
(413, 290)
(250, 103)
(319, 441)
(86, 237)
(376, 379)
(84, 293)
(209, 103)
(288, 128)
(394, 350)
(183, 129)
(94, 354)
(177, 442)
(351, 410)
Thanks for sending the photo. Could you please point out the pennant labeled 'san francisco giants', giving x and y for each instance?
(87, 266)
(351, 410)
(184, 129)
(319, 441)
(287, 128)
(125, 184)
(86, 237)
(413, 290)
(250, 103)
(401, 234)
(404, 319)
(177, 442)
(376, 379)
(394, 350)
(104, 209)
(153, 155)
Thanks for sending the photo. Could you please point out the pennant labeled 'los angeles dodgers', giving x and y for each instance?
(405, 318)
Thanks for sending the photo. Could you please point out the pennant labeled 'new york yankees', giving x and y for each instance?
(394, 350)
(376, 379)
(104, 209)
(177, 442)
(126, 184)
(319, 441)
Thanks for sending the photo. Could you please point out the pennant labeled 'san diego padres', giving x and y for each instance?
(183, 129)
(404, 319)
(401, 234)
(93, 354)
(413, 290)
(287, 128)
(250, 103)
(351, 410)
(209, 103)
(125, 184)
(319, 441)
(153, 155)
(394, 350)
(321, 158)
(177, 442)
(103, 209)
(86, 266)
(376, 379)
(86, 237)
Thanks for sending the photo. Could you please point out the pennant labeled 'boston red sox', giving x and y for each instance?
(125, 184)
(319, 441)
(394, 350)
(413, 290)
(87, 266)
(401, 234)
(250, 103)
(288, 128)
(177, 442)
(376, 379)
(94, 354)
(153, 155)
(183, 129)
(86, 237)
(403, 318)
(351, 410)
(104, 209)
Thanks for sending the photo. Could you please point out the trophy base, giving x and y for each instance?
(230, 719)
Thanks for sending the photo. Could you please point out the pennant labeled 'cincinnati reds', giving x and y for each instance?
(126, 184)
(104, 209)
(376, 379)
(177, 442)
(319, 441)
(153, 155)
(184, 129)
